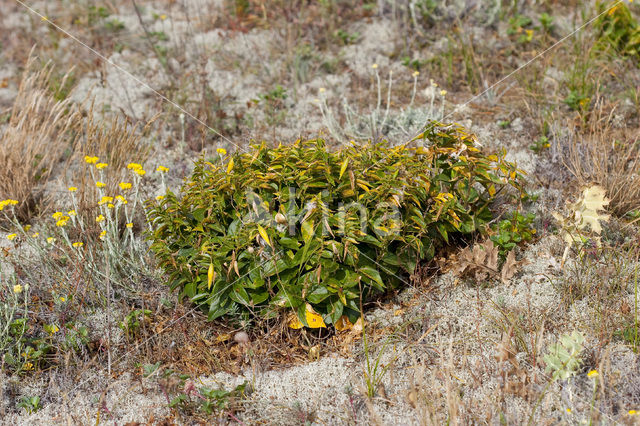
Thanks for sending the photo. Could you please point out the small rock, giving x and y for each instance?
(241, 337)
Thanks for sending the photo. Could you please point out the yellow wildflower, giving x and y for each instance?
(100, 219)
(28, 366)
(63, 221)
(103, 234)
(57, 215)
(27, 227)
(101, 166)
(592, 374)
(78, 244)
(51, 240)
(124, 185)
(160, 197)
(53, 329)
(221, 151)
(632, 412)
(90, 160)
(71, 212)
(374, 66)
(110, 206)
(62, 299)
(105, 200)
(17, 289)
(133, 166)
(11, 237)
(443, 92)
(568, 410)
(140, 172)
(162, 169)
(163, 17)
(72, 189)
(35, 235)
(100, 184)
(121, 199)
(129, 225)
(416, 73)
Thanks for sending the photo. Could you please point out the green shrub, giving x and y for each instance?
(618, 29)
(299, 227)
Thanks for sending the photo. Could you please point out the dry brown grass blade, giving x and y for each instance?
(36, 141)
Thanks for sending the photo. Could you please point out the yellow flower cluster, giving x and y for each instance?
(78, 244)
(11, 237)
(90, 160)
(6, 203)
(100, 184)
(101, 166)
(61, 219)
(124, 185)
(162, 169)
(105, 200)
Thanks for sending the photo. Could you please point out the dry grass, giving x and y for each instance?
(38, 139)
(609, 157)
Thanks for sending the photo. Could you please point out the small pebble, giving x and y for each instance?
(241, 337)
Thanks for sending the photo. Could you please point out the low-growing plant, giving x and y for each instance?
(512, 231)
(618, 29)
(300, 228)
(563, 358)
(30, 404)
(133, 321)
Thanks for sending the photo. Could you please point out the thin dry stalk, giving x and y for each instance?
(608, 157)
(36, 141)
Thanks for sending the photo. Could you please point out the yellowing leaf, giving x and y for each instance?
(295, 323)
(230, 166)
(586, 209)
(492, 190)
(307, 231)
(343, 323)
(343, 168)
(264, 235)
(211, 275)
(314, 319)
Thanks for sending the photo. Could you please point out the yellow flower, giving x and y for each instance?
(162, 169)
(35, 235)
(569, 410)
(100, 184)
(57, 215)
(160, 197)
(62, 299)
(71, 212)
(592, 374)
(110, 206)
(221, 151)
(100, 219)
(632, 412)
(17, 289)
(121, 199)
(101, 166)
(443, 92)
(90, 160)
(78, 244)
(27, 227)
(72, 189)
(416, 73)
(103, 234)
(124, 185)
(321, 90)
(129, 225)
(105, 200)
(51, 240)
(11, 237)
(63, 221)
(28, 366)
(374, 66)
(53, 329)
(140, 172)
(163, 17)
(133, 166)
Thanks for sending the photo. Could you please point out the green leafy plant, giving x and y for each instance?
(617, 29)
(300, 228)
(563, 358)
(133, 321)
(30, 404)
(512, 231)
(540, 144)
